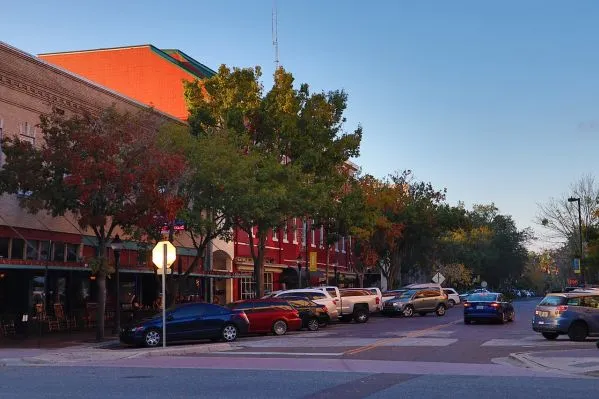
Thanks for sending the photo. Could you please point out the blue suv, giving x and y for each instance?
(573, 313)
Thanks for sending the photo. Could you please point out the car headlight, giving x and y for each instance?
(396, 304)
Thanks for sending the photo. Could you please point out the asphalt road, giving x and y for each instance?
(426, 357)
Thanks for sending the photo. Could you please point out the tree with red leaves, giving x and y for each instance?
(106, 170)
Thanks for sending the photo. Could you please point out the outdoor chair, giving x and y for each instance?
(63, 320)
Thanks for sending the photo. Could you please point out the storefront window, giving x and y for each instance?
(72, 252)
(32, 250)
(247, 286)
(4, 242)
(268, 286)
(58, 252)
(45, 250)
(18, 248)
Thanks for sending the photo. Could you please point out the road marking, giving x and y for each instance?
(283, 353)
(414, 334)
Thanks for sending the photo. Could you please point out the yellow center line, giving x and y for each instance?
(414, 334)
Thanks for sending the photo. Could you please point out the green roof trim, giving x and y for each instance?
(204, 70)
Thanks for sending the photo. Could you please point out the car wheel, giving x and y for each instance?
(550, 335)
(467, 321)
(578, 331)
(279, 327)
(422, 314)
(152, 338)
(229, 333)
(451, 303)
(313, 325)
(440, 311)
(361, 315)
(408, 311)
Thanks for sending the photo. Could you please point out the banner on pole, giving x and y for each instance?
(313, 264)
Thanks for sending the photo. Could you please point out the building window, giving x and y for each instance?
(18, 249)
(268, 285)
(275, 234)
(286, 232)
(45, 250)
(4, 243)
(313, 240)
(247, 288)
(72, 252)
(1, 137)
(343, 244)
(32, 252)
(58, 252)
(295, 231)
(321, 236)
(337, 246)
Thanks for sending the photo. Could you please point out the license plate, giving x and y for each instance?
(480, 307)
(544, 314)
(541, 322)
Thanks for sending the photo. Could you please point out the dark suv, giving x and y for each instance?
(573, 313)
(421, 301)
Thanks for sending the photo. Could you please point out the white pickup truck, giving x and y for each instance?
(357, 304)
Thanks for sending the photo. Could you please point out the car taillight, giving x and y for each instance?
(560, 309)
(244, 316)
(494, 305)
(466, 304)
(378, 300)
(324, 309)
(336, 301)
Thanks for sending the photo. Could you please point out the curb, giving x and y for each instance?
(526, 361)
(88, 355)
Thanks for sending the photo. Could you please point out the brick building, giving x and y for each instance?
(154, 77)
(43, 259)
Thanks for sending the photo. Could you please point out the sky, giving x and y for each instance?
(495, 101)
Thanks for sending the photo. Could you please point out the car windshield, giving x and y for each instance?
(482, 297)
(553, 300)
(407, 294)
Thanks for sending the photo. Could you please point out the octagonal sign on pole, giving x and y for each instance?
(164, 255)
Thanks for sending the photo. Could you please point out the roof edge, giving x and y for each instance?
(96, 50)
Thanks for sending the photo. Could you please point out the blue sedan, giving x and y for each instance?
(488, 306)
(187, 322)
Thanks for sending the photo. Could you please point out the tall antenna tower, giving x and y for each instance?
(275, 36)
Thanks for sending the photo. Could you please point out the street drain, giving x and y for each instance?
(137, 377)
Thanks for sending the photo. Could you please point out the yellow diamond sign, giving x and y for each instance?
(158, 254)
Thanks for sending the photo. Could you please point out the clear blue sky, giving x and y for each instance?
(484, 98)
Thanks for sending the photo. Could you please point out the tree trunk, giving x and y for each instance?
(259, 265)
(101, 281)
(361, 279)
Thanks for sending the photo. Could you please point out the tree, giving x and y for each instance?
(290, 141)
(114, 176)
(560, 216)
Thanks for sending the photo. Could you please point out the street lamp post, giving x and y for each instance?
(299, 271)
(573, 199)
(117, 246)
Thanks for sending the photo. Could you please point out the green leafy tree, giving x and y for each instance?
(290, 141)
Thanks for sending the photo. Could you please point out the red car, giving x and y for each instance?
(269, 315)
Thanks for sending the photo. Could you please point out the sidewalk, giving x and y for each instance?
(581, 362)
(57, 340)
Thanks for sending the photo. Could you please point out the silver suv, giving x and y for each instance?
(421, 301)
(574, 313)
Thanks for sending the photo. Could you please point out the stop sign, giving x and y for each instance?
(158, 254)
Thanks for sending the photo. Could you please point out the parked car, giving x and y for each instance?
(357, 304)
(319, 296)
(453, 298)
(186, 322)
(573, 313)
(374, 291)
(312, 314)
(333, 292)
(488, 306)
(387, 295)
(269, 315)
(421, 301)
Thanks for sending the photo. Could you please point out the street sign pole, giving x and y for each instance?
(164, 298)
